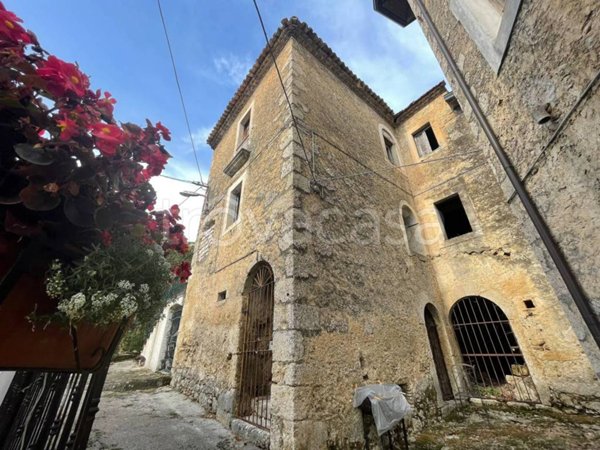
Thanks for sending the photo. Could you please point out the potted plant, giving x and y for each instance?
(82, 249)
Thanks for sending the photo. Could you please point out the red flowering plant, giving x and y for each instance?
(74, 185)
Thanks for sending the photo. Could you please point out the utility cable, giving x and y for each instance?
(262, 24)
(197, 183)
(185, 114)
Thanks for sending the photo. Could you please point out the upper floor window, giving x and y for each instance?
(426, 140)
(412, 231)
(453, 217)
(489, 24)
(234, 204)
(244, 127)
(390, 147)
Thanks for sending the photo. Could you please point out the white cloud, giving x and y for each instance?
(200, 136)
(234, 67)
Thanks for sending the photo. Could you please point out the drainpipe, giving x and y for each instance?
(561, 263)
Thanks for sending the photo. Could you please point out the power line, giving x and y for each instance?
(262, 24)
(197, 183)
(185, 114)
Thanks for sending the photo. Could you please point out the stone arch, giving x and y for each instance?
(412, 231)
(256, 357)
(494, 363)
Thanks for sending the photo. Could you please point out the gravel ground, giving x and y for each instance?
(136, 415)
(498, 428)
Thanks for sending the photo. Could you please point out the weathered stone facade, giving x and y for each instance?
(324, 210)
(551, 67)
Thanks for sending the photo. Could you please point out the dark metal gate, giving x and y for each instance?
(256, 356)
(52, 410)
(176, 311)
(493, 361)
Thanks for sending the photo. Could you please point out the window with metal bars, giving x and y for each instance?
(492, 358)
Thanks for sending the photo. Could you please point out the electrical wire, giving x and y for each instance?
(185, 114)
(197, 183)
(262, 24)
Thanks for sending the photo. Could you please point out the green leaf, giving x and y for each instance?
(37, 199)
(80, 211)
(34, 155)
(106, 217)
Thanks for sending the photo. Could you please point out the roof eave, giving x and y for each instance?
(398, 11)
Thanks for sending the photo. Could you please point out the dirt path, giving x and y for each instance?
(495, 428)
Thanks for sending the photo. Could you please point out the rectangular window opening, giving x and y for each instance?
(454, 217)
(389, 149)
(235, 198)
(222, 296)
(426, 141)
(244, 129)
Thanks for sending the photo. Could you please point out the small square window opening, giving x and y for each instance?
(222, 296)
(426, 140)
(454, 217)
(529, 304)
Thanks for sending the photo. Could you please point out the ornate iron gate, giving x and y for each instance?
(52, 410)
(493, 361)
(256, 356)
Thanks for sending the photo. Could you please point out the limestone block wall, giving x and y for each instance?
(206, 359)
(552, 55)
(495, 261)
(356, 316)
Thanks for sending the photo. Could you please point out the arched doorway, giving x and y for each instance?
(256, 356)
(174, 321)
(437, 352)
(493, 360)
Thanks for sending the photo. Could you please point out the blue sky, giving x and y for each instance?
(122, 46)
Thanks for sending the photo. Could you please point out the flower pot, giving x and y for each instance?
(24, 345)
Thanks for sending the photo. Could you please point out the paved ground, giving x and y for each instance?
(135, 414)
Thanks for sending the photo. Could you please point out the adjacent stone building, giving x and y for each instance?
(347, 245)
(534, 70)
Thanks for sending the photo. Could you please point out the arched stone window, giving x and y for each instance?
(493, 361)
(256, 356)
(389, 146)
(412, 229)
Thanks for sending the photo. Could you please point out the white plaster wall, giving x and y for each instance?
(5, 380)
(156, 344)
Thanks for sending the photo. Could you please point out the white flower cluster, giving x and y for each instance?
(55, 284)
(74, 307)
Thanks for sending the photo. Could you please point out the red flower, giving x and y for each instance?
(108, 137)
(106, 104)
(164, 131)
(10, 29)
(68, 128)
(106, 237)
(175, 211)
(63, 78)
(183, 271)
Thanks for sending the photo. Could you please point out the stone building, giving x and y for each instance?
(361, 246)
(534, 71)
